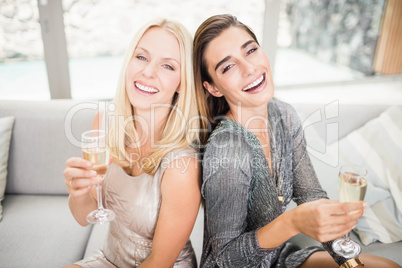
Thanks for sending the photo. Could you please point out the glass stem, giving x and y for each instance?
(347, 238)
(99, 196)
(347, 244)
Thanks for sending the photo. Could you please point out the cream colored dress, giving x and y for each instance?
(136, 202)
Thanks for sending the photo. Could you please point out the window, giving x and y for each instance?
(22, 67)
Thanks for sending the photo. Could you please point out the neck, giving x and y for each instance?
(254, 119)
(150, 124)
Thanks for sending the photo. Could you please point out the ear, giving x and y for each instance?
(212, 89)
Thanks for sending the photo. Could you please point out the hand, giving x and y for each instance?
(325, 220)
(79, 176)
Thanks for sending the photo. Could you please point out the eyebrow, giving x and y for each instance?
(167, 58)
(228, 57)
(222, 62)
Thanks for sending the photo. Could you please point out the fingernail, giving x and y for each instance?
(89, 164)
(92, 173)
(365, 204)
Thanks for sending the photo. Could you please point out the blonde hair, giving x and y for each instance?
(182, 126)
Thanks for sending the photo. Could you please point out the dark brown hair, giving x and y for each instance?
(209, 105)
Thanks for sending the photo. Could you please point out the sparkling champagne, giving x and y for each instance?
(98, 156)
(94, 149)
(352, 187)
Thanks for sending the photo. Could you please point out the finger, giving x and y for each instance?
(79, 172)
(78, 162)
(344, 219)
(79, 183)
(334, 231)
(342, 208)
(351, 206)
(110, 160)
(100, 169)
(340, 231)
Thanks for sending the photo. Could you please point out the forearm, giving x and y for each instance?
(81, 206)
(242, 251)
(277, 231)
(152, 262)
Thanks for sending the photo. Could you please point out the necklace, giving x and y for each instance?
(278, 189)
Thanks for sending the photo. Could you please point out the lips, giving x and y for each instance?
(255, 84)
(145, 88)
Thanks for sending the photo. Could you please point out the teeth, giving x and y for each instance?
(147, 89)
(256, 82)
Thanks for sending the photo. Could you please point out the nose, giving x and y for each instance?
(149, 70)
(248, 68)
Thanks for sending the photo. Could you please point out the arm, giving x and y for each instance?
(181, 199)
(227, 177)
(225, 189)
(316, 219)
(78, 179)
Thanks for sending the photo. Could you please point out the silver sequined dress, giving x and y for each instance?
(136, 201)
(240, 191)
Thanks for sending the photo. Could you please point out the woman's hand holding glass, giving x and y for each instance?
(325, 220)
(79, 176)
(80, 179)
(83, 173)
(352, 186)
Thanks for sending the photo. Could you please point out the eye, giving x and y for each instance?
(227, 68)
(141, 57)
(251, 51)
(169, 67)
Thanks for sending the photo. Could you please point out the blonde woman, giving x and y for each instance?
(153, 184)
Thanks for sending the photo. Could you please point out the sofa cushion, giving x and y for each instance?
(97, 238)
(35, 227)
(378, 147)
(6, 126)
(344, 117)
(36, 161)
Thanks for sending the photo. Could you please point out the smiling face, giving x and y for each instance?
(153, 74)
(239, 69)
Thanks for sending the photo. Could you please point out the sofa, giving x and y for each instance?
(37, 228)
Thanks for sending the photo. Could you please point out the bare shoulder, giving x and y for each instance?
(96, 122)
(183, 166)
(182, 172)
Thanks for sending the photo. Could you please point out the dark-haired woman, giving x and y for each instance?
(256, 162)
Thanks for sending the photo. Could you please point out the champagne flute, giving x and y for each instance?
(95, 149)
(352, 186)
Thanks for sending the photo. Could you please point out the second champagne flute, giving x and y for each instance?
(95, 149)
(352, 186)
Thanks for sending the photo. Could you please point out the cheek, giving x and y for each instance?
(172, 82)
(229, 81)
